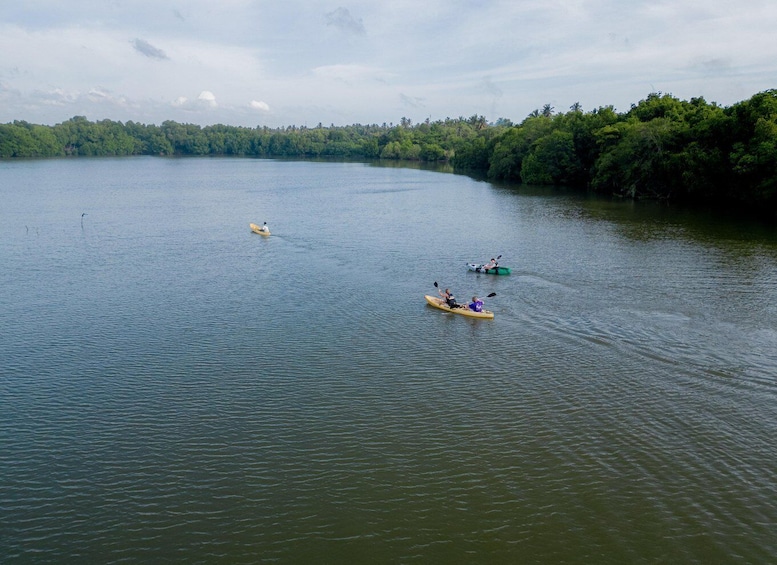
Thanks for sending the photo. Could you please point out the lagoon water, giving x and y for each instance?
(174, 388)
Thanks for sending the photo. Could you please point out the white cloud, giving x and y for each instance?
(259, 105)
(370, 62)
(208, 98)
(106, 97)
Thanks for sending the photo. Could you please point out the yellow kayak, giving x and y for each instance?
(258, 229)
(464, 311)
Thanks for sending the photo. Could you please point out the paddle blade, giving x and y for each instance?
(491, 295)
(436, 285)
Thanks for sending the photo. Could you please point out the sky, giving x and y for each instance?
(285, 63)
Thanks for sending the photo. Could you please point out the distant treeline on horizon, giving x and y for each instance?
(662, 148)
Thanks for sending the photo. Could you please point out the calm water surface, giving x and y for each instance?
(174, 388)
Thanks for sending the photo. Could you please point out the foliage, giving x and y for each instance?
(21, 139)
(662, 148)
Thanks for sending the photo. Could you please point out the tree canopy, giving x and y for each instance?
(661, 148)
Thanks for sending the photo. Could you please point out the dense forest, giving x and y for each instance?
(662, 148)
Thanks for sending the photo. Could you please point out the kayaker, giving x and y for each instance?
(264, 227)
(476, 305)
(491, 265)
(448, 297)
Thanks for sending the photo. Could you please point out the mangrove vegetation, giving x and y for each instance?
(661, 148)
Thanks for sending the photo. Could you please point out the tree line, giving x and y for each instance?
(661, 148)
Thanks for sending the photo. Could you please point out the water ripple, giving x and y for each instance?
(186, 392)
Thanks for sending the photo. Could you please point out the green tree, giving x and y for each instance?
(552, 160)
(513, 146)
(753, 155)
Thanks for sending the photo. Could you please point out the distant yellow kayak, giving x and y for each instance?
(259, 230)
(464, 310)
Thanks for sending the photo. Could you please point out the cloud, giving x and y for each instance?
(207, 97)
(411, 102)
(491, 88)
(348, 73)
(56, 97)
(145, 48)
(711, 66)
(105, 96)
(368, 62)
(342, 19)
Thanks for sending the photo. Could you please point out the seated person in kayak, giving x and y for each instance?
(448, 297)
(491, 265)
(265, 228)
(476, 305)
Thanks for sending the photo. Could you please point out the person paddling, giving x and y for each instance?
(491, 265)
(476, 305)
(264, 227)
(449, 299)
